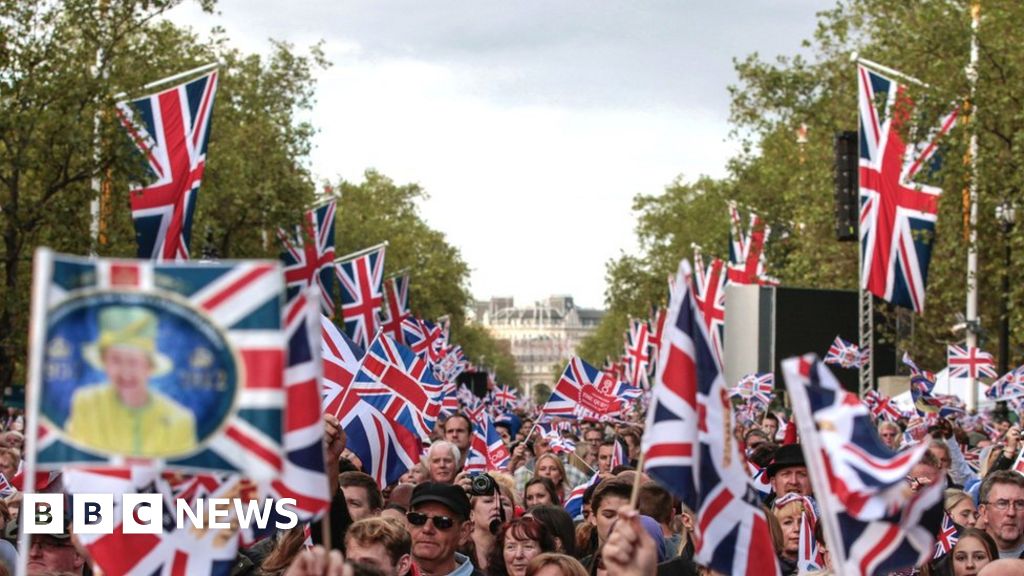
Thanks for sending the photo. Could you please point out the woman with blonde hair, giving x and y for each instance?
(552, 564)
(551, 467)
(960, 507)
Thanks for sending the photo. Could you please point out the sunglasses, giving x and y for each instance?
(420, 519)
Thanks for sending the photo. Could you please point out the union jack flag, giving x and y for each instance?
(449, 399)
(687, 448)
(809, 557)
(397, 290)
(657, 328)
(897, 213)
(386, 448)
(171, 129)
(758, 387)
(948, 536)
(6, 489)
(620, 455)
(760, 479)
(638, 353)
(747, 262)
(423, 337)
(1009, 385)
(872, 528)
(574, 502)
(583, 391)
(845, 354)
(172, 552)
(240, 302)
(915, 371)
(505, 395)
(361, 279)
(970, 362)
(341, 358)
(487, 452)
(709, 293)
(882, 406)
(309, 255)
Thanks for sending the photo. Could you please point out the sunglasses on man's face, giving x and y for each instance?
(420, 519)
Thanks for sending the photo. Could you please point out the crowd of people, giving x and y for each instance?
(441, 520)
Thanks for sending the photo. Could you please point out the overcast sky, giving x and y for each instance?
(531, 124)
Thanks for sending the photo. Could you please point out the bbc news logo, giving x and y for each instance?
(144, 513)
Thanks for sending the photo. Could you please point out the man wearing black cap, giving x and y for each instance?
(788, 471)
(438, 525)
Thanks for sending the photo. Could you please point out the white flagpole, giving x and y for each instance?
(193, 72)
(362, 252)
(972, 242)
(42, 271)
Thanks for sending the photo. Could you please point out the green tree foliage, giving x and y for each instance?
(790, 182)
(378, 210)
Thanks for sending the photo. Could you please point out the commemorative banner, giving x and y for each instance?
(180, 366)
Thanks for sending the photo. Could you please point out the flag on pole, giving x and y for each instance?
(309, 255)
(688, 449)
(709, 293)
(361, 276)
(638, 353)
(171, 130)
(845, 354)
(582, 392)
(397, 306)
(747, 261)
(898, 212)
(970, 362)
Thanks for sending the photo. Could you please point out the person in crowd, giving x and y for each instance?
(438, 523)
(1001, 506)
(592, 437)
(609, 496)
(960, 507)
(770, 425)
(416, 474)
(1003, 568)
(551, 467)
(9, 460)
(361, 494)
(551, 564)
(969, 555)
(540, 491)
(788, 510)
(401, 494)
(754, 438)
(382, 543)
(54, 553)
(395, 512)
(632, 439)
(604, 456)
(890, 434)
(443, 459)
(459, 431)
(656, 502)
(926, 472)
(519, 541)
(504, 430)
(559, 523)
(489, 509)
(788, 471)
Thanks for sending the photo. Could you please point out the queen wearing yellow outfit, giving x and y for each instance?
(124, 416)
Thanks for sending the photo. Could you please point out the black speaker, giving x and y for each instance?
(475, 381)
(847, 195)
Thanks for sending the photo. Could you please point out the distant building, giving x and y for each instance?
(540, 336)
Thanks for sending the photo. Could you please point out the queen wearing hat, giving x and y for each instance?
(124, 415)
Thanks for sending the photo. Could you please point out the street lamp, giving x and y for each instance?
(1006, 216)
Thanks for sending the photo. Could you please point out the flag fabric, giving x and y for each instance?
(657, 326)
(396, 289)
(845, 354)
(386, 448)
(582, 392)
(309, 255)
(6, 489)
(487, 452)
(220, 352)
(947, 538)
(620, 455)
(760, 479)
(747, 261)
(915, 371)
(709, 293)
(897, 211)
(423, 337)
(171, 129)
(505, 396)
(574, 501)
(1008, 386)
(693, 457)
(882, 406)
(808, 556)
(341, 358)
(361, 278)
(871, 526)
(758, 388)
(638, 353)
(969, 362)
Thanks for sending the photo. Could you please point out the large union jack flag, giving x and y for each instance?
(860, 483)
(638, 353)
(171, 129)
(309, 255)
(747, 261)
(687, 448)
(397, 302)
(897, 212)
(239, 303)
(362, 278)
(582, 392)
(341, 359)
(709, 293)
(969, 362)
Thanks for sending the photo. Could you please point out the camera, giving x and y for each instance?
(482, 485)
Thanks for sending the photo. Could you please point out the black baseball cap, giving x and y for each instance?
(454, 497)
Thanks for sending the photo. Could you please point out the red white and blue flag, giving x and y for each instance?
(687, 446)
(897, 211)
(845, 354)
(747, 261)
(758, 388)
(505, 396)
(309, 255)
(396, 289)
(423, 337)
(487, 452)
(1009, 385)
(574, 501)
(638, 353)
(709, 293)
(871, 526)
(582, 392)
(362, 278)
(341, 359)
(970, 362)
(948, 536)
(657, 326)
(171, 129)
(882, 406)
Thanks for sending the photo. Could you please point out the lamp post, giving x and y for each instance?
(1006, 216)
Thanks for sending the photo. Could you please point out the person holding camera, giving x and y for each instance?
(490, 508)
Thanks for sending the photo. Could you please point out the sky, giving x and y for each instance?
(531, 124)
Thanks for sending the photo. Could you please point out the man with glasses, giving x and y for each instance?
(890, 434)
(1001, 500)
(438, 523)
(593, 438)
(54, 553)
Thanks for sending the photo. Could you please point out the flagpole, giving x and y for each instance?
(865, 304)
(362, 252)
(889, 71)
(634, 496)
(972, 242)
(195, 71)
